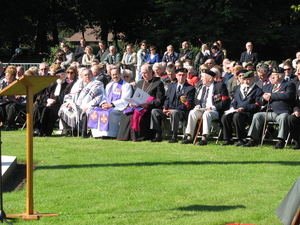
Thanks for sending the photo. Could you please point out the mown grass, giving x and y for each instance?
(93, 181)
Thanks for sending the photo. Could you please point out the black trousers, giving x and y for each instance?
(240, 121)
(294, 127)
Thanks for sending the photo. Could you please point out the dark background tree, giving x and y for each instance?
(272, 26)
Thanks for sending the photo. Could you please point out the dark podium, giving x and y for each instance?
(29, 85)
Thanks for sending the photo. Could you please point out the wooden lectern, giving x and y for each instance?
(29, 85)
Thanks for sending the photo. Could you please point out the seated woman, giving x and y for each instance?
(106, 118)
(135, 124)
(46, 108)
(153, 56)
(86, 93)
(10, 105)
(88, 57)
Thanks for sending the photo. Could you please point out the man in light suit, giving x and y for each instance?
(179, 101)
(211, 102)
(129, 59)
(249, 55)
(281, 97)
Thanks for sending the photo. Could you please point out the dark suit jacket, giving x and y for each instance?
(217, 58)
(282, 101)
(220, 97)
(188, 55)
(173, 98)
(156, 90)
(251, 103)
(249, 58)
(297, 100)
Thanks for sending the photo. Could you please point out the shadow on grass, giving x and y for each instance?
(215, 208)
(199, 163)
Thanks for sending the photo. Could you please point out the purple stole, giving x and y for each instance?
(137, 115)
(99, 118)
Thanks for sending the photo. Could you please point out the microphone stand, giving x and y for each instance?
(17, 52)
(2, 213)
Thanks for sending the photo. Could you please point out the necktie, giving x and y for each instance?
(287, 78)
(275, 88)
(178, 90)
(245, 91)
(265, 82)
(205, 98)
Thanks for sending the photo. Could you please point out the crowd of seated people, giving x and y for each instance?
(91, 101)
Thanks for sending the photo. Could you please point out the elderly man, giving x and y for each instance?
(106, 118)
(45, 111)
(170, 70)
(294, 119)
(43, 69)
(20, 72)
(263, 75)
(211, 102)
(112, 57)
(98, 73)
(170, 55)
(245, 104)
(135, 122)
(86, 93)
(186, 53)
(129, 59)
(249, 55)
(279, 97)
(179, 101)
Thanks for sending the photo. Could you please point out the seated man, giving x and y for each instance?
(179, 100)
(135, 125)
(294, 119)
(86, 93)
(245, 104)
(211, 102)
(46, 107)
(10, 105)
(279, 97)
(111, 108)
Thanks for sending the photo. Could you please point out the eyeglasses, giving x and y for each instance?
(126, 76)
(287, 69)
(70, 72)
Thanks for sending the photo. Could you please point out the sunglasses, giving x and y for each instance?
(70, 72)
(287, 69)
(126, 76)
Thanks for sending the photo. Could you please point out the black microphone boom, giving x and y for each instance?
(18, 51)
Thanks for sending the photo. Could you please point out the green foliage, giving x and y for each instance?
(296, 8)
(94, 181)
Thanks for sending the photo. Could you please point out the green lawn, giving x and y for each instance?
(93, 181)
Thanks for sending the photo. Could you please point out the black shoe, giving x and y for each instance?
(251, 143)
(85, 135)
(279, 145)
(202, 142)
(228, 142)
(157, 139)
(240, 143)
(296, 146)
(7, 128)
(173, 140)
(187, 141)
